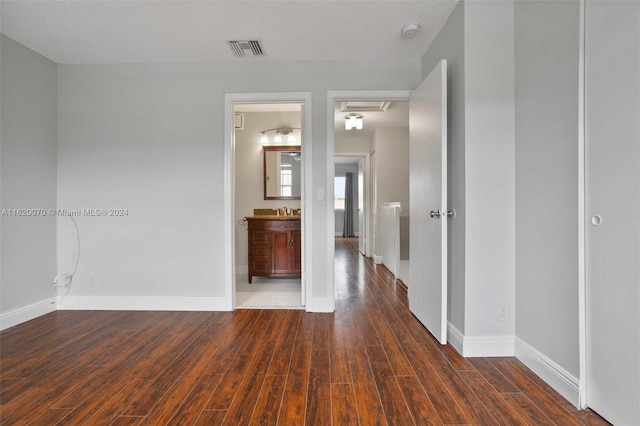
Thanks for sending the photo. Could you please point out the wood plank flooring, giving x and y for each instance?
(369, 363)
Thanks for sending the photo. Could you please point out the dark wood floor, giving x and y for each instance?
(368, 363)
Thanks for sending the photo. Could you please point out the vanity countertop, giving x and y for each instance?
(273, 217)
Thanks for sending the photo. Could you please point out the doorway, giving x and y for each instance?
(255, 122)
(268, 182)
(379, 184)
(350, 206)
(437, 291)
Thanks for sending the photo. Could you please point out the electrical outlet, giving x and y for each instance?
(92, 283)
(503, 313)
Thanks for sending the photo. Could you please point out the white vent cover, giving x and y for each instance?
(246, 48)
(364, 106)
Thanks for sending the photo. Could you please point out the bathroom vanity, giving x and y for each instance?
(275, 248)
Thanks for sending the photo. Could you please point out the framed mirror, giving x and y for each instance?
(282, 172)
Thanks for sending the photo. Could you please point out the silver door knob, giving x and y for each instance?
(434, 214)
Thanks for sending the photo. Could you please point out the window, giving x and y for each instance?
(286, 180)
(338, 192)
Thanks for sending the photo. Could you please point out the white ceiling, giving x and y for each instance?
(138, 31)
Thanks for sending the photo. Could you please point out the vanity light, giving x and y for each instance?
(279, 132)
(353, 121)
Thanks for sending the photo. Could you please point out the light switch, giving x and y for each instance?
(320, 194)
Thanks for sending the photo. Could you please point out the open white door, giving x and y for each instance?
(361, 226)
(428, 202)
(612, 166)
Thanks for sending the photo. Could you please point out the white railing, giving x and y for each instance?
(391, 237)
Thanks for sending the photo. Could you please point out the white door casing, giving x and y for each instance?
(428, 202)
(362, 235)
(303, 98)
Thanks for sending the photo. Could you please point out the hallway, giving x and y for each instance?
(368, 363)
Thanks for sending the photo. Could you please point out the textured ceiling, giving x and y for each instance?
(135, 31)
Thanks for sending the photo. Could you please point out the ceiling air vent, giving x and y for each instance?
(246, 48)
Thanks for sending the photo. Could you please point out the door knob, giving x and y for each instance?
(434, 214)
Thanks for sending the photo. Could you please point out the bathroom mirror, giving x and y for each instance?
(282, 172)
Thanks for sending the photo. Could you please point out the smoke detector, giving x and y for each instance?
(409, 31)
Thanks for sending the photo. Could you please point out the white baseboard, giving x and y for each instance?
(479, 346)
(26, 313)
(377, 259)
(320, 305)
(557, 377)
(488, 346)
(455, 338)
(144, 303)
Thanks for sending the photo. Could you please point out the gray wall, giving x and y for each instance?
(449, 45)
(150, 138)
(27, 175)
(391, 146)
(546, 41)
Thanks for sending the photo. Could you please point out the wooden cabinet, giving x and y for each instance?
(275, 248)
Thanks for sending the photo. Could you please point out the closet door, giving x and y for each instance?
(612, 135)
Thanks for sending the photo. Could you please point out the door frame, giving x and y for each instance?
(332, 97)
(367, 202)
(230, 100)
(582, 211)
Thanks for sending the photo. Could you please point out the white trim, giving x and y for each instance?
(479, 346)
(320, 305)
(26, 313)
(444, 243)
(557, 377)
(144, 303)
(455, 338)
(229, 189)
(377, 259)
(488, 346)
(582, 254)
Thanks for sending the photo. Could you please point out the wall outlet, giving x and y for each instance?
(92, 283)
(503, 313)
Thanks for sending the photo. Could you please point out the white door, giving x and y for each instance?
(361, 226)
(428, 202)
(612, 136)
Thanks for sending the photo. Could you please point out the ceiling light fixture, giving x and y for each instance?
(279, 132)
(353, 121)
